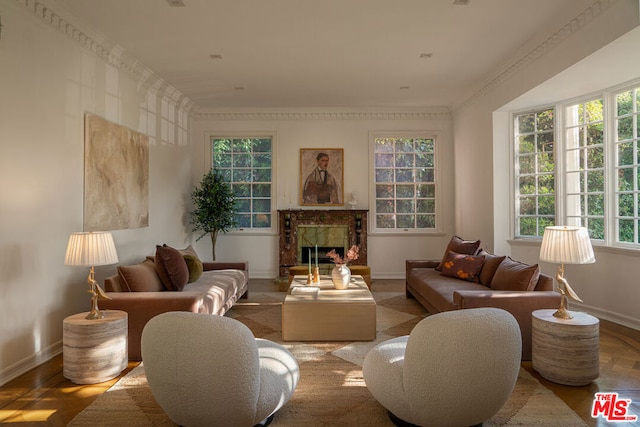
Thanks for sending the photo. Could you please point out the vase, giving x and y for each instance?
(341, 275)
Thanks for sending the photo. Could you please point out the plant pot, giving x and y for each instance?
(341, 276)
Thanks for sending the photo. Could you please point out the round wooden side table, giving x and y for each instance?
(566, 351)
(94, 350)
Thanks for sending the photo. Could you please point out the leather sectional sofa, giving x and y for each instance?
(480, 279)
(147, 289)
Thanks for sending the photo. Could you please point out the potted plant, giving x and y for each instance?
(215, 207)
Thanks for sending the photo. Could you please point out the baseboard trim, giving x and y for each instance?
(25, 365)
(611, 316)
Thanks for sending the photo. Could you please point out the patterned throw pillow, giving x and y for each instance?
(461, 246)
(461, 266)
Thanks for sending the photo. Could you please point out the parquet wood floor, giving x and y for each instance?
(43, 397)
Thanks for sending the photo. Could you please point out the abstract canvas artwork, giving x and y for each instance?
(116, 176)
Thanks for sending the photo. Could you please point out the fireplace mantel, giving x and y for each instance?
(291, 220)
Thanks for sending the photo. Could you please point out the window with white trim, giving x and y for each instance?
(247, 164)
(405, 186)
(627, 169)
(592, 175)
(534, 172)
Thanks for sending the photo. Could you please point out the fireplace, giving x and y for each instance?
(308, 253)
(302, 230)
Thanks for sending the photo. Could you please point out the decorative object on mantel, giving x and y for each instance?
(353, 202)
(321, 176)
(116, 176)
(566, 245)
(89, 249)
(215, 207)
(341, 275)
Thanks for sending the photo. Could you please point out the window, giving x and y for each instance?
(627, 200)
(588, 175)
(247, 164)
(405, 182)
(535, 172)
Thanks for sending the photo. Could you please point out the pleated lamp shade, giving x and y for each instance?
(566, 245)
(91, 248)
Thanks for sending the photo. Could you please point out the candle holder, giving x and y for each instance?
(316, 275)
(309, 279)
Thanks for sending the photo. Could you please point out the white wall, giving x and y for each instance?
(481, 130)
(330, 129)
(48, 81)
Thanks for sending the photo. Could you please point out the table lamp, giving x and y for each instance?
(566, 245)
(89, 249)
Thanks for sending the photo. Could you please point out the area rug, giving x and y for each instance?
(331, 391)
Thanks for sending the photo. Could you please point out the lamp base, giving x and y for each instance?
(563, 314)
(95, 314)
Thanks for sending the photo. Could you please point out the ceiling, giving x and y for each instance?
(323, 53)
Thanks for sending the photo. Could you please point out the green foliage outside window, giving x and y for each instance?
(246, 163)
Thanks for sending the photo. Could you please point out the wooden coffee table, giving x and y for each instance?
(319, 312)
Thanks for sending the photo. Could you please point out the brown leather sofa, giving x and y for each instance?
(219, 286)
(438, 293)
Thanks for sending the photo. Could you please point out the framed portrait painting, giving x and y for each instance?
(321, 176)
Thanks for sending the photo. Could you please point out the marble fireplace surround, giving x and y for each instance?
(301, 230)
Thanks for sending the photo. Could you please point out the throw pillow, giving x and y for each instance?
(491, 263)
(461, 246)
(460, 266)
(514, 275)
(140, 277)
(172, 268)
(189, 250)
(194, 265)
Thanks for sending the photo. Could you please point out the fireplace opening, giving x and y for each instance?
(322, 254)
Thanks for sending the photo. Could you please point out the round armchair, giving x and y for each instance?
(207, 370)
(456, 368)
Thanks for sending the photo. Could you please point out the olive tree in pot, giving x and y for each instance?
(215, 207)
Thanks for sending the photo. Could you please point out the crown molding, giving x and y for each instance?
(323, 115)
(110, 53)
(570, 28)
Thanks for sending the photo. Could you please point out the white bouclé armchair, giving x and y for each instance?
(455, 368)
(207, 370)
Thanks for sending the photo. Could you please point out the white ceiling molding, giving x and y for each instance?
(549, 43)
(113, 55)
(326, 115)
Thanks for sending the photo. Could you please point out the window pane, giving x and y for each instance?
(384, 175)
(404, 191)
(625, 154)
(625, 230)
(384, 191)
(261, 190)
(406, 221)
(384, 206)
(385, 221)
(625, 128)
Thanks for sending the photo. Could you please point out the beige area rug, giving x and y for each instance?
(331, 391)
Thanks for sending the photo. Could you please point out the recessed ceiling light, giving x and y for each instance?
(461, 2)
(175, 3)
(215, 56)
(426, 55)
(404, 87)
(238, 87)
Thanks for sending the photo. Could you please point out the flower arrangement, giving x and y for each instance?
(352, 255)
